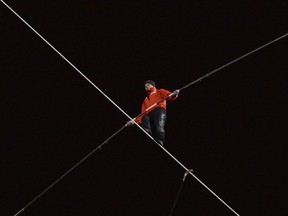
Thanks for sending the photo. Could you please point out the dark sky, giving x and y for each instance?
(230, 128)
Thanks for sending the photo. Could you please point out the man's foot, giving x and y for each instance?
(160, 142)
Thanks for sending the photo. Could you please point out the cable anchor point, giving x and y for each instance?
(186, 173)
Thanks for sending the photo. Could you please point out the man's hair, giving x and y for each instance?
(150, 82)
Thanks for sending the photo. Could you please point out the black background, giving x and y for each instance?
(229, 128)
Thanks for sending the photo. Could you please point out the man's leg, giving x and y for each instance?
(145, 124)
(159, 122)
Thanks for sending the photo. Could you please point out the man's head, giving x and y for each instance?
(148, 84)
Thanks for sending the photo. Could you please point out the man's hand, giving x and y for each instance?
(130, 122)
(175, 93)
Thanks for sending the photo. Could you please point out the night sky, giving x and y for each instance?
(230, 128)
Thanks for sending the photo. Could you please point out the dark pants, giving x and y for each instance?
(154, 123)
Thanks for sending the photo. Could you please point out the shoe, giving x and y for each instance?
(160, 142)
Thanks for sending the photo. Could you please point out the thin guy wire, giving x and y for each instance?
(179, 190)
(176, 199)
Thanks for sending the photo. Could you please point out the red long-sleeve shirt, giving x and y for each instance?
(154, 96)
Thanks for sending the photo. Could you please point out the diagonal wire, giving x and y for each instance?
(83, 75)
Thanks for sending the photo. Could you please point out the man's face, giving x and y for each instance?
(148, 86)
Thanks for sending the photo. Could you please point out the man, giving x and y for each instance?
(153, 111)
